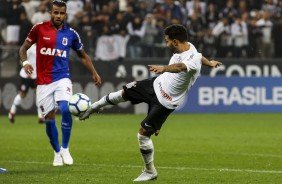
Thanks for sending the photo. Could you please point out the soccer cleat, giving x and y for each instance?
(11, 117)
(89, 111)
(147, 176)
(58, 160)
(2, 170)
(65, 154)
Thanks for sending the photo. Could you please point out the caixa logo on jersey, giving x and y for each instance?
(53, 52)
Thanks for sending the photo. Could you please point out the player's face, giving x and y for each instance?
(170, 44)
(58, 15)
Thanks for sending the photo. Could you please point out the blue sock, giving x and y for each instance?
(66, 123)
(52, 133)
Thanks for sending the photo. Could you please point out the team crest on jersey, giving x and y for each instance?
(179, 59)
(131, 84)
(65, 41)
(191, 57)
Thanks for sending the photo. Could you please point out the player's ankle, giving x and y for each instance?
(150, 167)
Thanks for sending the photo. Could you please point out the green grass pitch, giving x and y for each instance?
(191, 148)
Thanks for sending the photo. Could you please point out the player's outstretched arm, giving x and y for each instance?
(86, 61)
(23, 58)
(212, 63)
(173, 68)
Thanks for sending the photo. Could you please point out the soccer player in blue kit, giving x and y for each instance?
(54, 40)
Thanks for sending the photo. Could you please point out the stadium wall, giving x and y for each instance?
(234, 94)
(238, 86)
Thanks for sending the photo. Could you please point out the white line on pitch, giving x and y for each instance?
(159, 167)
(197, 152)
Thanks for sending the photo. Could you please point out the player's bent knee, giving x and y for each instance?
(142, 131)
(64, 108)
(50, 115)
(146, 132)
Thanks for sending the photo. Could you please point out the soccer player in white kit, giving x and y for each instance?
(163, 93)
(26, 81)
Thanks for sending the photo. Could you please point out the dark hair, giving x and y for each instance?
(59, 3)
(176, 31)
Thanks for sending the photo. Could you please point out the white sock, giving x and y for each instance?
(111, 99)
(17, 102)
(147, 151)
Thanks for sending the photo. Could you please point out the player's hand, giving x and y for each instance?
(28, 69)
(97, 79)
(156, 68)
(214, 63)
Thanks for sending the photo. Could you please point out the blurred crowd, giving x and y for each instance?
(113, 30)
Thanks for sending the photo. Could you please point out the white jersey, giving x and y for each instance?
(171, 88)
(31, 57)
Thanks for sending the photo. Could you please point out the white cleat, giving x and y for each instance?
(58, 160)
(147, 176)
(65, 154)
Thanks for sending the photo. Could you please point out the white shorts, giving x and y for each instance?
(48, 95)
(13, 33)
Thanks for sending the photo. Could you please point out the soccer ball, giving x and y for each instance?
(79, 103)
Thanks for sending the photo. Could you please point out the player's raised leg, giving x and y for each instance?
(111, 99)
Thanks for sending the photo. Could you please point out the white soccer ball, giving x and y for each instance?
(79, 103)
